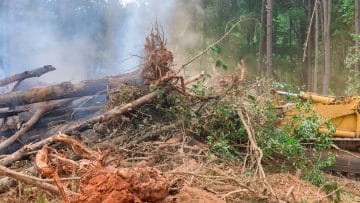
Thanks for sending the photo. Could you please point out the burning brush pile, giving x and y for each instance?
(137, 137)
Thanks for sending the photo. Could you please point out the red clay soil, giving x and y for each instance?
(123, 186)
(303, 191)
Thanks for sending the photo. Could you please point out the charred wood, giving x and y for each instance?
(67, 90)
(9, 113)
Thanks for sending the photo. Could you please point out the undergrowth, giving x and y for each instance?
(217, 123)
(220, 124)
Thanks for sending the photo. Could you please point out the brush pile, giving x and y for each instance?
(146, 136)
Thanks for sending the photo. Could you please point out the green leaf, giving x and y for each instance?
(216, 49)
(225, 67)
(218, 63)
(42, 199)
(252, 97)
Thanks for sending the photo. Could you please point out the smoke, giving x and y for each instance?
(87, 38)
(185, 40)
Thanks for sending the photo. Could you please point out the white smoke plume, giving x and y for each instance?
(87, 38)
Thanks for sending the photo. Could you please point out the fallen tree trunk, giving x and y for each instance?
(27, 74)
(41, 111)
(67, 90)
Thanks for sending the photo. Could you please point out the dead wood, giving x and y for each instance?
(60, 186)
(12, 112)
(120, 110)
(195, 78)
(28, 180)
(19, 154)
(158, 59)
(67, 90)
(79, 148)
(42, 160)
(38, 114)
(113, 113)
(27, 74)
(6, 183)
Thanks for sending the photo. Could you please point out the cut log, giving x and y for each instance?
(27, 74)
(68, 90)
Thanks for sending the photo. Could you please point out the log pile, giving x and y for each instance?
(43, 118)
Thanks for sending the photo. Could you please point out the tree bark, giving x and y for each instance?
(327, 57)
(67, 90)
(28, 180)
(316, 67)
(262, 41)
(309, 48)
(27, 74)
(269, 42)
(357, 29)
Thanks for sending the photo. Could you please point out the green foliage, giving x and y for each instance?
(42, 199)
(220, 124)
(288, 142)
(346, 9)
(330, 188)
(224, 129)
(353, 76)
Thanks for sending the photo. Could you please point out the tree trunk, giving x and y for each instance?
(67, 90)
(269, 39)
(316, 67)
(262, 38)
(357, 29)
(309, 48)
(326, 31)
(290, 31)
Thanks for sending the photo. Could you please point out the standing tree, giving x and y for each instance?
(326, 39)
(316, 67)
(357, 29)
(269, 31)
(262, 38)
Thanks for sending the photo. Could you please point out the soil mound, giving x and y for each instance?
(134, 185)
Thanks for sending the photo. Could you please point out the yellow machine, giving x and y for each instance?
(342, 112)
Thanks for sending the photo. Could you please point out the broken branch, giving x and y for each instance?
(41, 111)
(27, 74)
(28, 179)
